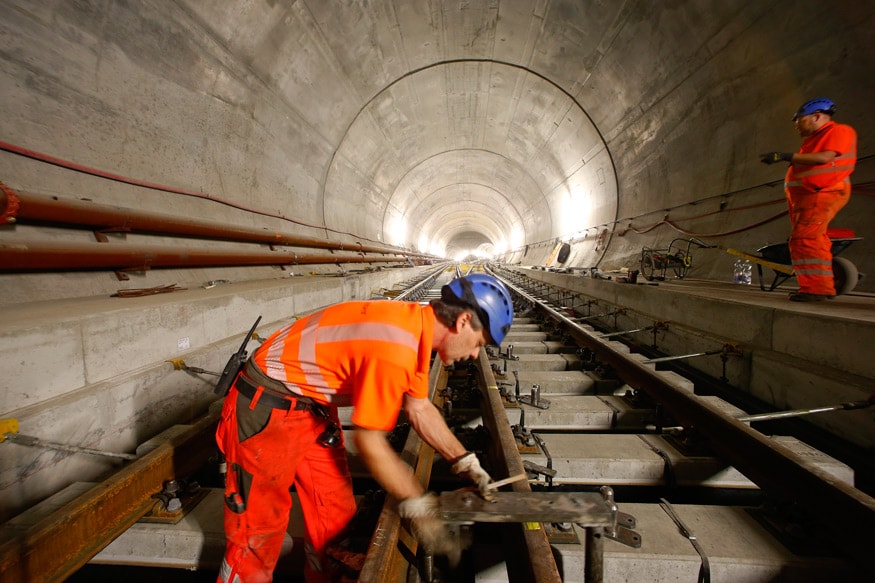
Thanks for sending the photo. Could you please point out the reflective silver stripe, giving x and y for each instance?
(225, 573)
(375, 332)
(827, 170)
(821, 272)
(275, 368)
(307, 356)
(812, 267)
(811, 261)
(312, 335)
(345, 333)
(799, 183)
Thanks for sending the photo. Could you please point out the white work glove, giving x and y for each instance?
(469, 466)
(429, 528)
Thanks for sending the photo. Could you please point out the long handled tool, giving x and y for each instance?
(799, 412)
(487, 491)
(849, 406)
(780, 267)
(9, 431)
(506, 481)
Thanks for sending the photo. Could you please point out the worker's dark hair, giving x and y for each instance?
(448, 313)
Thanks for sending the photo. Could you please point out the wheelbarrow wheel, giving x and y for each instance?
(845, 275)
(680, 264)
(647, 266)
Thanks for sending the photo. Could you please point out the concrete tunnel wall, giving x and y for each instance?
(426, 126)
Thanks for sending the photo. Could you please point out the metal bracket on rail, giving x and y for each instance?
(508, 355)
(509, 397)
(551, 473)
(621, 529)
(516, 386)
(522, 434)
(174, 501)
(535, 399)
(505, 357)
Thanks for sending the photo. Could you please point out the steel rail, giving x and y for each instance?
(62, 542)
(841, 509)
(416, 290)
(540, 566)
(385, 561)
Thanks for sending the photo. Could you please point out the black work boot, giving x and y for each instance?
(807, 297)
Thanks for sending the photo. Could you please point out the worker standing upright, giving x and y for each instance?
(817, 186)
(279, 426)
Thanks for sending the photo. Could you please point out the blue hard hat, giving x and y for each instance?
(815, 105)
(488, 297)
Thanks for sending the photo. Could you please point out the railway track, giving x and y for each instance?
(699, 493)
(681, 488)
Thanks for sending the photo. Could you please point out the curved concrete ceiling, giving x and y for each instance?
(463, 132)
(429, 124)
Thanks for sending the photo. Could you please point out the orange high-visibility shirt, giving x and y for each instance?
(832, 136)
(367, 354)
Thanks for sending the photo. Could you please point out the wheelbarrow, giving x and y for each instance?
(777, 258)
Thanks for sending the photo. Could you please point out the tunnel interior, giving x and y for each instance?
(220, 162)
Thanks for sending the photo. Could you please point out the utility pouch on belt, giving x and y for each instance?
(235, 364)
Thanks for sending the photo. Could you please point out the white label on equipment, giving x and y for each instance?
(183, 344)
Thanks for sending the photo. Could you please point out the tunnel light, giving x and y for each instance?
(573, 209)
(398, 231)
(516, 238)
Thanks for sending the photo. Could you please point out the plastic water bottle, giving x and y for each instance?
(742, 271)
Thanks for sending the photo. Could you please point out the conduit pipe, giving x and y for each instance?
(81, 214)
(44, 256)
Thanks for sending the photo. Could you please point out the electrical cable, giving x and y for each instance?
(13, 149)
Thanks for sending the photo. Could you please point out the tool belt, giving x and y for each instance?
(273, 393)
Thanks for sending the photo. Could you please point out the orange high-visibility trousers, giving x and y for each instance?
(810, 247)
(267, 451)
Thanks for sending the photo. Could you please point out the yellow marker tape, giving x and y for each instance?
(532, 525)
(9, 425)
(178, 363)
(492, 387)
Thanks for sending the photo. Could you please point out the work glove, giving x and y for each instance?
(468, 466)
(430, 529)
(772, 157)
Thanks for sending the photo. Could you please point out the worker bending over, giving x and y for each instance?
(279, 426)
